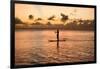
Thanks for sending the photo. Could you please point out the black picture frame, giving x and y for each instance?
(12, 34)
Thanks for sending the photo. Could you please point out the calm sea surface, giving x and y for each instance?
(33, 47)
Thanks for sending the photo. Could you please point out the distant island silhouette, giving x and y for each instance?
(75, 24)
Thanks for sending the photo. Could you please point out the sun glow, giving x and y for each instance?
(22, 11)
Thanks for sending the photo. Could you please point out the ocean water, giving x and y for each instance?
(33, 47)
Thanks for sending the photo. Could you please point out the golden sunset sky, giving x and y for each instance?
(22, 11)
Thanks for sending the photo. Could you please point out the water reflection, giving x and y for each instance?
(33, 47)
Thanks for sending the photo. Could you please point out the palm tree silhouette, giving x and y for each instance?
(18, 21)
(51, 18)
(64, 17)
(38, 19)
(30, 17)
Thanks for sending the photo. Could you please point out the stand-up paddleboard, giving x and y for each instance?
(56, 40)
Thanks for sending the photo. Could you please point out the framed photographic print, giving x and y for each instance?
(50, 34)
